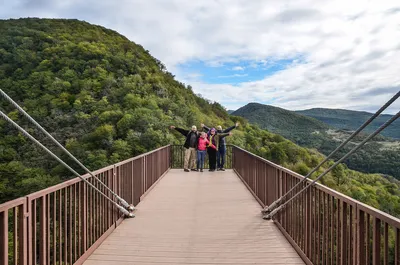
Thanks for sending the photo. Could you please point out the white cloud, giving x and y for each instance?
(238, 68)
(194, 75)
(349, 49)
(234, 75)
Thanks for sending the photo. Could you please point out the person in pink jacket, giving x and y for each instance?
(202, 150)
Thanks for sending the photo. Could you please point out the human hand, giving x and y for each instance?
(237, 124)
(202, 125)
(172, 127)
(230, 133)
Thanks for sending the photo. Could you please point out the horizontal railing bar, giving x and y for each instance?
(387, 218)
(53, 189)
(140, 156)
(12, 204)
(66, 184)
(335, 194)
(267, 161)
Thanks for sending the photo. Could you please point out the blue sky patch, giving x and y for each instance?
(232, 73)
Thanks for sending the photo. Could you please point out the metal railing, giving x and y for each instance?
(324, 226)
(65, 223)
(178, 157)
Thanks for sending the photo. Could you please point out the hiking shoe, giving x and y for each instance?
(201, 170)
(222, 169)
(193, 169)
(186, 170)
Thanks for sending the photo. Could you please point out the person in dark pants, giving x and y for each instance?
(212, 158)
(221, 151)
(191, 142)
(215, 140)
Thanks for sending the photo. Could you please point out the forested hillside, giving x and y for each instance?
(107, 99)
(351, 120)
(286, 123)
(380, 155)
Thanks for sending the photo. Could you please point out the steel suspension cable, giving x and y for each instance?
(121, 200)
(24, 132)
(387, 123)
(276, 203)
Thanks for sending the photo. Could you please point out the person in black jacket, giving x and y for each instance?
(192, 138)
(222, 145)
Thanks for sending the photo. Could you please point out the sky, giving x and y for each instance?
(296, 54)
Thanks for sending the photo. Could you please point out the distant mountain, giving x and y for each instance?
(351, 120)
(381, 154)
(287, 123)
(230, 111)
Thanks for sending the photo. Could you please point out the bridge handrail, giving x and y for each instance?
(366, 235)
(66, 222)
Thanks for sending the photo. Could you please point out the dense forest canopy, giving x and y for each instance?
(107, 99)
(380, 155)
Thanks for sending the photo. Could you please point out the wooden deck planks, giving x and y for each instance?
(196, 218)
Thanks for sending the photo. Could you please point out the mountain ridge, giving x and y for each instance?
(381, 154)
(266, 117)
(352, 119)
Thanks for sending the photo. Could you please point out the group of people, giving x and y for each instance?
(198, 143)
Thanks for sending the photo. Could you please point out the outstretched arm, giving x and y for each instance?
(205, 127)
(223, 135)
(231, 128)
(182, 131)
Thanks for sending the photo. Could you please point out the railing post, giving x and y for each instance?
(22, 235)
(344, 235)
(31, 232)
(170, 155)
(354, 222)
(83, 200)
(281, 188)
(397, 247)
(43, 232)
(308, 224)
(4, 237)
(143, 174)
(114, 188)
(134, 184)
(233, 157)
(376, 254)
(361, 238)
(171, 158)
